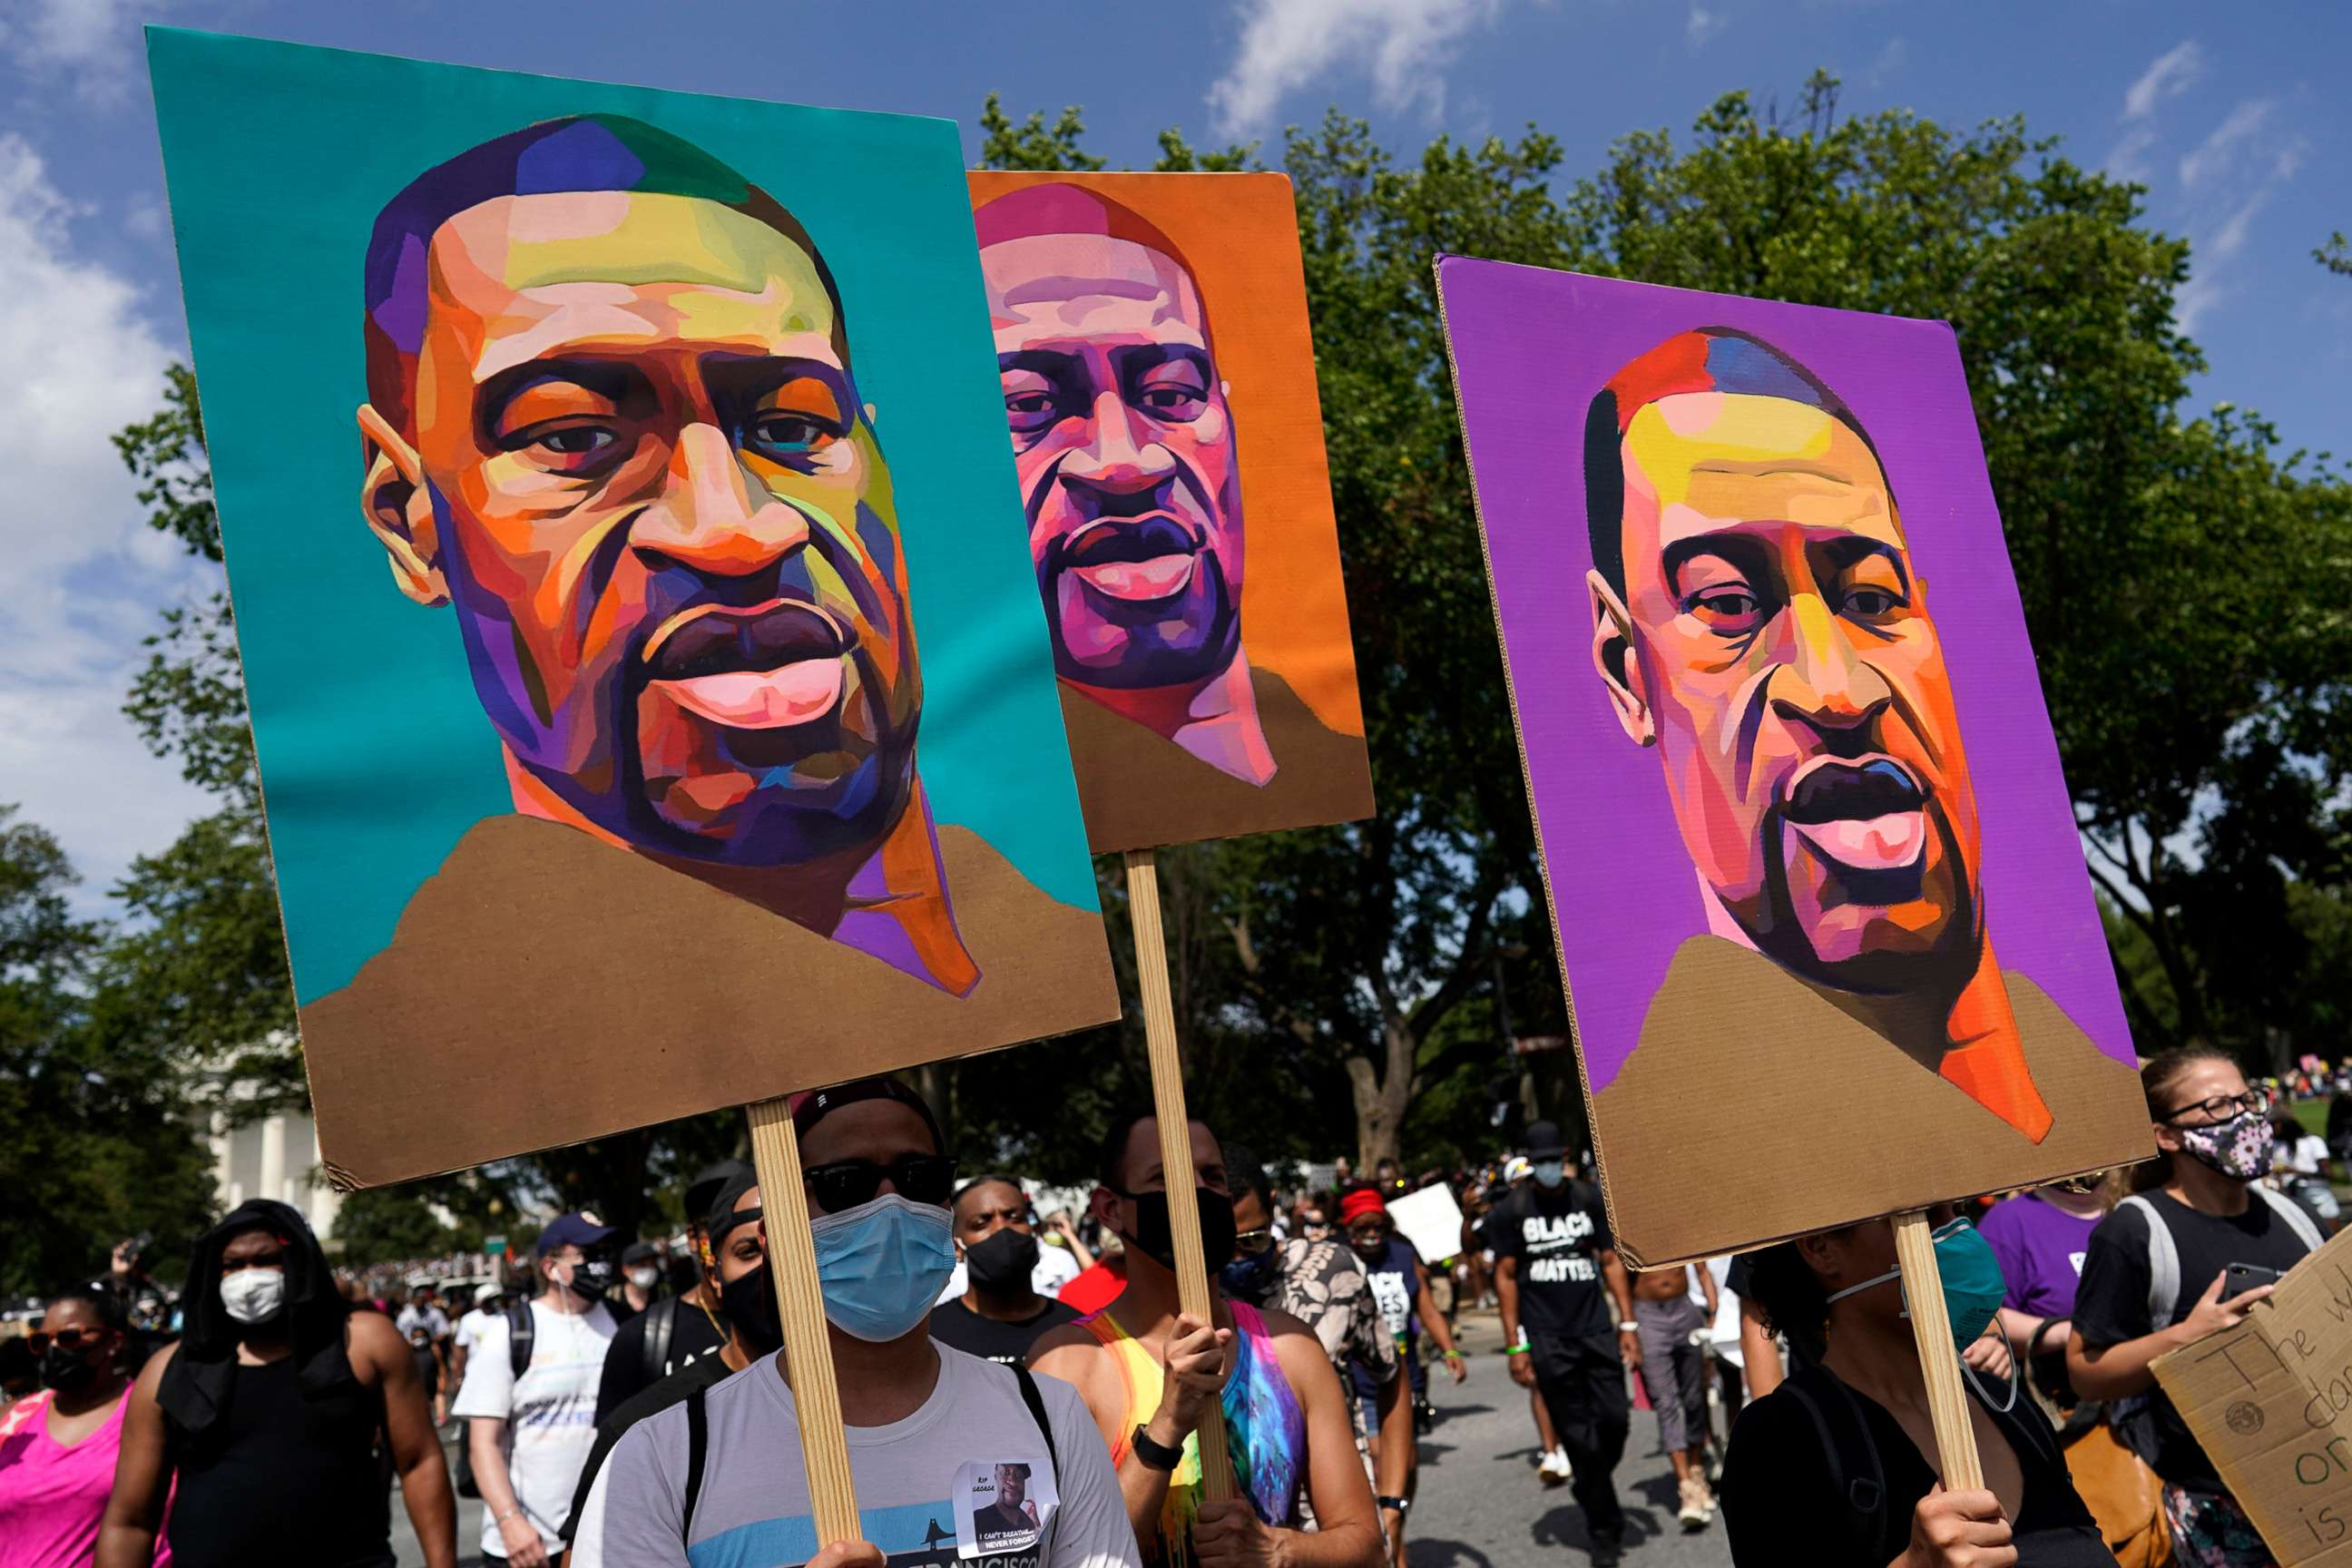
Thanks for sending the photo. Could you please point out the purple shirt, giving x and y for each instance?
(2041, 1249)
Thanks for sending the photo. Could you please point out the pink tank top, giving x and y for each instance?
(52, 1497)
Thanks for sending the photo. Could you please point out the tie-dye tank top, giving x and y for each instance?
(1265, 1432)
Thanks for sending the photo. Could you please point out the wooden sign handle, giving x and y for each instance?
(808, 1356)
(1175, 1139)
(1931, 1329)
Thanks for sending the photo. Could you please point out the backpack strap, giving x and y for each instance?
(2163, 1262)
(522, 1333)
(661, 1325)
(2298, 1218)
(1037, 1404)
(697, 1447)
(1854, 1472)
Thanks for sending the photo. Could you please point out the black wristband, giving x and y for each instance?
(1151, 1455)
(1403, 1505)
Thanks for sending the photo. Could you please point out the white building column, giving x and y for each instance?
(272, 1183)
(224, 1142)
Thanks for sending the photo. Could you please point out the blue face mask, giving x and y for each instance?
(1249, 1275)
(882, 1264)
(1971, 1274)
(1550, 1173)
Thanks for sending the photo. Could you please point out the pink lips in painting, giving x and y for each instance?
(768, 666)
(1135, 561)
(1866, 815)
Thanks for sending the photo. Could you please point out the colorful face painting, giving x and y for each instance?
(628, 796)
(1812, 862)
(1158, 385)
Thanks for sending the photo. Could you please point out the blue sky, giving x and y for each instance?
(2234, 118)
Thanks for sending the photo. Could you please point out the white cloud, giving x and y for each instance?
(1703, 25)
(96, 40)
(2170, 75)
(2219, 150)
(85, 573)
(1404, 45)
(1890, 60)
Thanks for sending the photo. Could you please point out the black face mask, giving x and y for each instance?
(1002, 1265)
(1153, 1238)
(750, 1302)
(65, 1369)
(593, 1275)
(1250, 1278)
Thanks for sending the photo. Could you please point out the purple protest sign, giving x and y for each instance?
(1821, 909)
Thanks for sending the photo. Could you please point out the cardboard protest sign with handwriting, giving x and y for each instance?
(593, 463)
(1803, 830)
(2271, 1403)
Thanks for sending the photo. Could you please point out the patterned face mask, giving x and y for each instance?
(2239, 1148)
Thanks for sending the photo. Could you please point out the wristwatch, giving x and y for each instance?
(1154, 1456)
(1401, 1504)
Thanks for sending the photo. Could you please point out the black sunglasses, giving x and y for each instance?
(70, 1339)
(846, 1184)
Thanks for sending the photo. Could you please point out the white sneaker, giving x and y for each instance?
(1555, 1469)
(1694, 1514)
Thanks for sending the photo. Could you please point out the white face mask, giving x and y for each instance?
(253, 1295)
(644, 1278)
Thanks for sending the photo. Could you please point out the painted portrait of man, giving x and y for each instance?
(1129, 455)
(1821, 909)
(612, 431)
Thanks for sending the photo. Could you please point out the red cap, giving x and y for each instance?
(1359, 1204)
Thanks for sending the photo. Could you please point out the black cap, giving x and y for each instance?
(638, 1252)
(814, 1107)
(1544, 1140)
(723, 1216)
(703, 1189)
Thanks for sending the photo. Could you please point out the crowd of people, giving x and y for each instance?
(1031, 1390)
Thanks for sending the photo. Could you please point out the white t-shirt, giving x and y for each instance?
(470, 1329)
(1055, 1267)
(550, 1410)
(429, 1318)
(965, 1479)
(2306, 1156)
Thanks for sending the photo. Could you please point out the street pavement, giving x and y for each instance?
(1480, 1505)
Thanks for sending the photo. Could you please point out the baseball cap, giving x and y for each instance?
(581, 1229)
(1544, 1140)
(638, 1252)
(703, 1189)
(487, 1293)
(1518, 1166)
(814, 1107)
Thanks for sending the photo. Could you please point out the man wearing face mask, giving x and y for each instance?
(1001, 1313)
(1856, 1412)
(265, 1417)
(529, 1397)
(928, 1427)
(731, 1235)
(1151, 1376)
(1568, 1323)
(678, 1329)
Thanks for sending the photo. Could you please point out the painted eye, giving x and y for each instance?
(1872, 603)
(1730, 610)
(1173, 399)
(791, 435)
(579, 441)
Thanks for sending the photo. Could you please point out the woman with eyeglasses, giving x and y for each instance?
(58, 1447)
(2156, 1276)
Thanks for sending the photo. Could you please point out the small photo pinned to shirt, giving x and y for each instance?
(1002, 1506)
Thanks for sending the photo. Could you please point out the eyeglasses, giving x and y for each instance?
(72, 1340)
(2223, 1107)
(846, 1184)
(1251, 1243)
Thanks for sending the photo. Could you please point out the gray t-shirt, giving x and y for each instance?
(965, 1479)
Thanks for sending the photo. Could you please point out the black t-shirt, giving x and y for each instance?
(700, 1373)
(692, 1337)
(957, 1325)
(2111, 1307)
(1784, 1500)
(1557, 1235)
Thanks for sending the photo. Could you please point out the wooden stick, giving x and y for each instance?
(1931, 1329)
(1175, 1139)
(808, 1356)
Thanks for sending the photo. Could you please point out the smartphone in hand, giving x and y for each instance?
(2240, 1278)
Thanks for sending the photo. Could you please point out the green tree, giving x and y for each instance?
(2335, 255)
(95, 1149)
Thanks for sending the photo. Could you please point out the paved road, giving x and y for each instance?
(1480, 1503)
